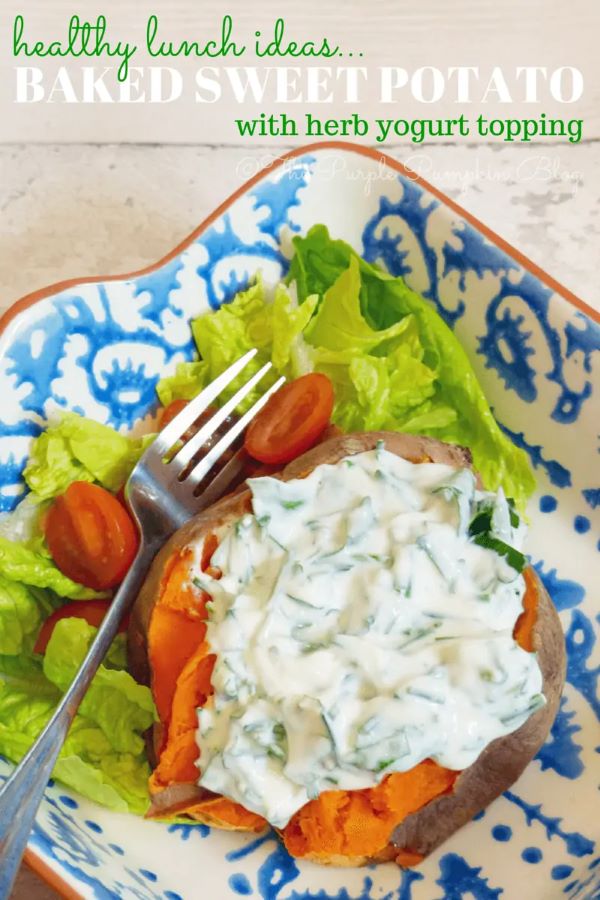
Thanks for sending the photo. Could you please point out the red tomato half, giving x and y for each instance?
(292, 420)
(93, 611)
(91, 536)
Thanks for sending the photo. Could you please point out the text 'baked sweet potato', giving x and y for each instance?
(409, 813)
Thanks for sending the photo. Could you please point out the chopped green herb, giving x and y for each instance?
(368, 726)
(301, 601)
(515, 559)
(276, 752)
(275, 541)
(404, 588)
(514, 516)
(329, 730)
(418, 633)
(312, 648)
(424, 695)
(424, 545)
(536, 702)
(279, 731)
(481, 523)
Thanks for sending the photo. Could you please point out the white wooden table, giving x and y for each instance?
(70, 210)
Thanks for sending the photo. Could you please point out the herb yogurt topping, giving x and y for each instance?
(363, 622)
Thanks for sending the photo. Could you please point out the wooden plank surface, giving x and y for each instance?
(483, 33)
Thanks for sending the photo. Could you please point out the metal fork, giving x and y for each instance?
(161, 493)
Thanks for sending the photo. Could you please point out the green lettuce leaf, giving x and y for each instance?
(289, 353)
(121, 707)
(379, 377)
(89, 765)
(22, 611)
(456, 409)
(19, 563)
(24, 523)
(79, 449)
(274, 326)
(25, 673)
(393, 361)
(339, 323)
(72, 449)
(184, 384)
(103, 757)
(116, 658)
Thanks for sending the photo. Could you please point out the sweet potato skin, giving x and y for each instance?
(500, 764)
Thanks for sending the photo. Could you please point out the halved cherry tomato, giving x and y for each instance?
(91, 536)
(292, 420)
(172, 410)
(93, 611)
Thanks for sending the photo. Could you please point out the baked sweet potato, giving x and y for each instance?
(409, 813)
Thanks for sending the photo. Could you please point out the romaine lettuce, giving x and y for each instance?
(19, 563)
(22, 611)
(393, 361)
(103, 757)
(456, 411)
(79, 449)
(273, 325)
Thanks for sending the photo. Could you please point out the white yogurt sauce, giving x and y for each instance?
(360, 629)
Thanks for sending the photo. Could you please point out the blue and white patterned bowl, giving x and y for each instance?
(99, 347)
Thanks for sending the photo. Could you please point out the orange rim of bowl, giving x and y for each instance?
(33, 859)
(347, 146)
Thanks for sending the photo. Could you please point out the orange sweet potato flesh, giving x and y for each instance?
(182, 666)
(524, 629)
(176, 629)
(359, 823)
(177, 761)
(337, 823)
(346, 827)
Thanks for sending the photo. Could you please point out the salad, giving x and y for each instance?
(359, 349)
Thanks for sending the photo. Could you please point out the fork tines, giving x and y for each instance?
(195, 457)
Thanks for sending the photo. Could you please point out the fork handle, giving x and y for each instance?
(22, 793)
